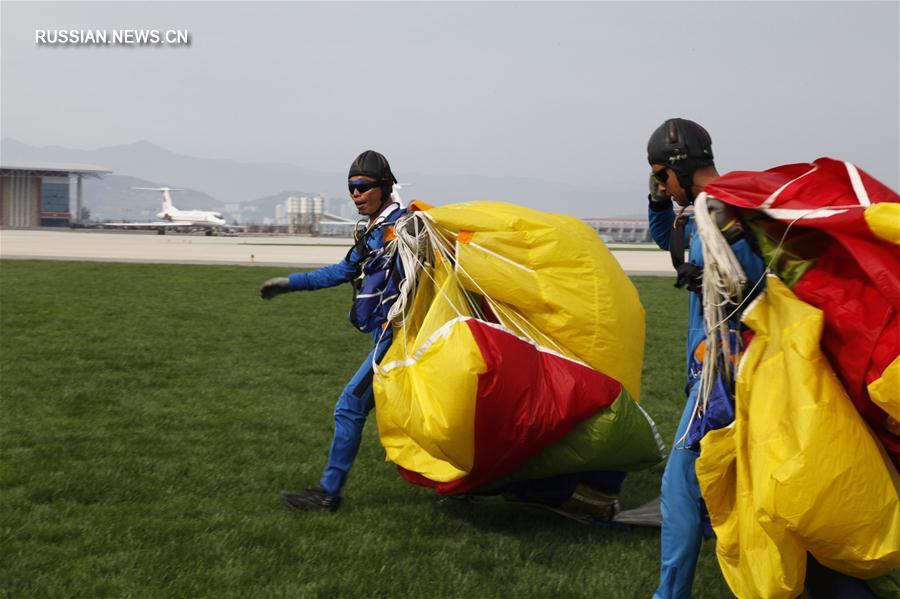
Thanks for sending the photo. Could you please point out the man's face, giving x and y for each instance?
(667, 182)
(367, 202)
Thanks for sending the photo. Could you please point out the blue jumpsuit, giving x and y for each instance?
(357, 398)
(682, 505)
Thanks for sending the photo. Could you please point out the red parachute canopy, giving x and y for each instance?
(842, 268)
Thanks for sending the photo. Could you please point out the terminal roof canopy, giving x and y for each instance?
(52, 168)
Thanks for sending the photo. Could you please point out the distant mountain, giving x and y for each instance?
(225, 180)
(231, 182)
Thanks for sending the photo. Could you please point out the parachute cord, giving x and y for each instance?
(723, 283)
(507, 314)
(441, 240)
(412, 246)
(725, 287)
(441, 248)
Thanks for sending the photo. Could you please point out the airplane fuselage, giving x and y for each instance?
(192, 217)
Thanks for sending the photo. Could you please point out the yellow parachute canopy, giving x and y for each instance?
(798, 470)
(543, 280)
(884, 220)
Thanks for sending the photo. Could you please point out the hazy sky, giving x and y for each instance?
(558, 91)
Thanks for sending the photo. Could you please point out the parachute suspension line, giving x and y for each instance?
(447, 251)
(723, 284)
(415, 243)
(417, 239)
(410, 245)
(451, 257)
(510, 318)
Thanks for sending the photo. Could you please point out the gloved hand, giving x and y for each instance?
(659, 199)
(691, 276)
(274, 287)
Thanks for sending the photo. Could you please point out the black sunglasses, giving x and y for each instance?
(662, 175)
(362, 186)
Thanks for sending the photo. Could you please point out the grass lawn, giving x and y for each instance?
(152, 413)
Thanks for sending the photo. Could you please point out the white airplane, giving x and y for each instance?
(171, 218)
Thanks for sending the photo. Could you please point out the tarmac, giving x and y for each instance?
(291, 251)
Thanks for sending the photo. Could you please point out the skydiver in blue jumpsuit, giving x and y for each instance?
(370, 182)
(680, 155)
(681, 159)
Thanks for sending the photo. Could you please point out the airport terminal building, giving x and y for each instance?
(36, 194)
(623, 230)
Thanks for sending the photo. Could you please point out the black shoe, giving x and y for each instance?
(311, 500)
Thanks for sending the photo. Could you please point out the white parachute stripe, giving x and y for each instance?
(440, 333)
(500, 257)
(771, 199)
(800, 214)
(444, 332)
(858, 188)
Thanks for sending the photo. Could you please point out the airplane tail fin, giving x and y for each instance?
(167, 201)
(165, 197)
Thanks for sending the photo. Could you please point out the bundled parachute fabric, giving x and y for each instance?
(831, 232)
(798, 470)
(518, 343)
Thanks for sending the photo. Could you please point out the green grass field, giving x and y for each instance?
(152, 413)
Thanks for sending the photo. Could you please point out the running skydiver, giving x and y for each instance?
(370, 182)
(681, 159)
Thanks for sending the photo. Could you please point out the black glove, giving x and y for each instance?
(274, 287)
(659, 199)
(691, 276)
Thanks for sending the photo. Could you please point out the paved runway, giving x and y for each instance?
(288, 251)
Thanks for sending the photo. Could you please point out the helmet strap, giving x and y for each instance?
(685, 177)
